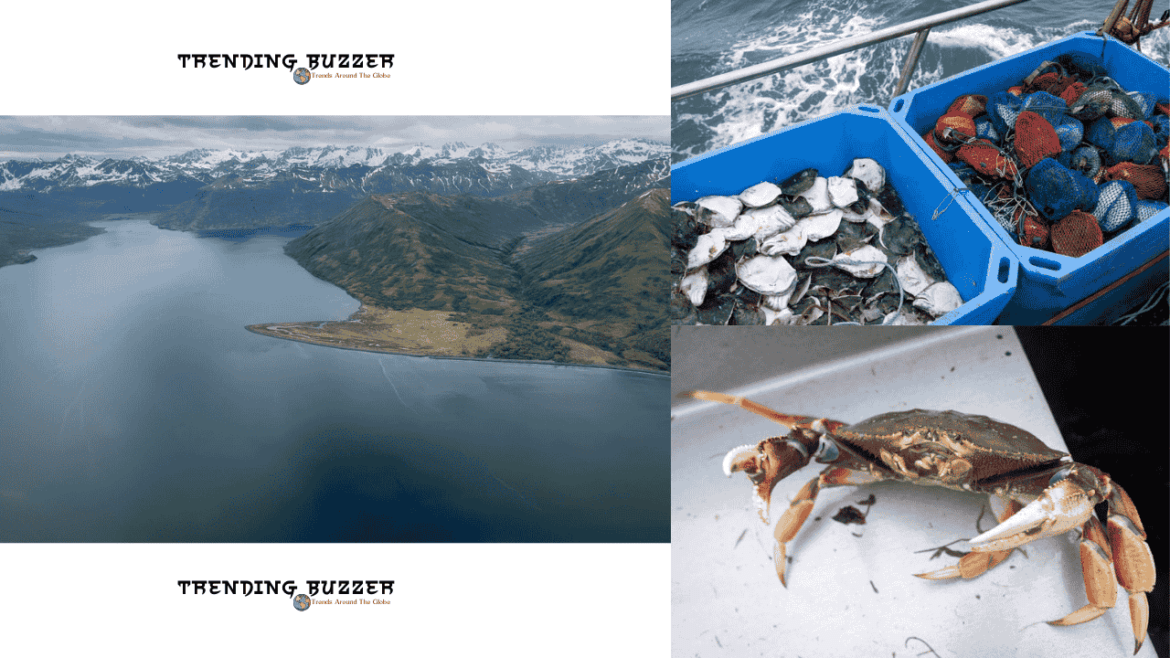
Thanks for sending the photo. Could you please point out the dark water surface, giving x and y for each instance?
(134, 406)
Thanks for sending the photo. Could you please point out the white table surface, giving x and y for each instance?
(852, 595)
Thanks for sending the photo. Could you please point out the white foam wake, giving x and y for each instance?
(393, 387)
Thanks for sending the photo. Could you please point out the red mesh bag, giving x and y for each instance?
(987, 159)
(1076, 235)
(971, 105)
(1062, 84)
(1148, 180)
(929, 139)
(1051, 82)
(1072, 93)
(1042, 82)
(1164, 107)
(959, 122)
(1034, 232)
(1035, 139)
(1016, 91)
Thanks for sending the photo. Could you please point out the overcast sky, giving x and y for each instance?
(49, 138)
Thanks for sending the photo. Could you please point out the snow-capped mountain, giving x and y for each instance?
(330, 167)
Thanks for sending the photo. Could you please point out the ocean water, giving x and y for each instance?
(135, 407)
(709, 37)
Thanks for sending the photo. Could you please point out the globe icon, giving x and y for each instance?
(301, 602)
(302, 76)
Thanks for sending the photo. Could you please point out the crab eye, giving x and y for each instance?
(1060, 475)
(826, 451)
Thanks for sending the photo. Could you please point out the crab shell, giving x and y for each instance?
(1036, 491)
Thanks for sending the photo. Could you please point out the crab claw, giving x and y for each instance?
(1062, 507)
(742, 458)
(766, 464)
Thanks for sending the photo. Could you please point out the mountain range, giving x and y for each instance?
(546, 253)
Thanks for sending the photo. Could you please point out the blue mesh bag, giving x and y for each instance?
(1002, 109)
(1084, 159)
(1145, 101)
(1046, 105)
(1161, 127)
(1084, 66)
(1100, 133)
(985, 129)
(1116, 205)
(1147, 209)
(1069, 131)
(980, 191)
(1133, 142)
(1055, 190)
(964, 171)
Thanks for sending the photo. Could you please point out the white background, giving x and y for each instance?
(504, 57)
(510, 57)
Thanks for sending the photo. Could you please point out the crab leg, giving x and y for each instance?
(975, 564)
(1100, 584)
(1069, 503)
(791, 422)
(1132, 559)
(797, 513)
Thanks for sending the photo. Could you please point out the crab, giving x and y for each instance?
(1035, 491)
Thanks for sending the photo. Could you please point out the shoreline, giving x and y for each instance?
(260, 330)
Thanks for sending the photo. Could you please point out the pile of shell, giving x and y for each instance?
(1064, 162)
(809, 250)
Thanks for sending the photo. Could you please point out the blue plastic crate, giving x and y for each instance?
(1050, 282)
(982, 269)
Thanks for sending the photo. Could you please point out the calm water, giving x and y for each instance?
(134, 406)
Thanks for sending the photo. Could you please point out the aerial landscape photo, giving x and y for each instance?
(324, 329)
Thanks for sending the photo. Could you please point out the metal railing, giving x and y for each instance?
(921, 26)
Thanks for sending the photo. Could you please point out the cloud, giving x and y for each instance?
(124, 137)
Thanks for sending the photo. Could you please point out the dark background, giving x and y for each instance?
(1108, 389)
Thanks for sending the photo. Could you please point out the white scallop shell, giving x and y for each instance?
(721, 211)
(759, 195)
(707, 248)
(767, 221)
(842, 191)
(868, 172)
(766, 275)
(863, 263)
(783, 316)
(819, 227)
(818, 195)
(896, 319)
(939, 299)
(694, 285)
(789, 242)
(912, 278)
